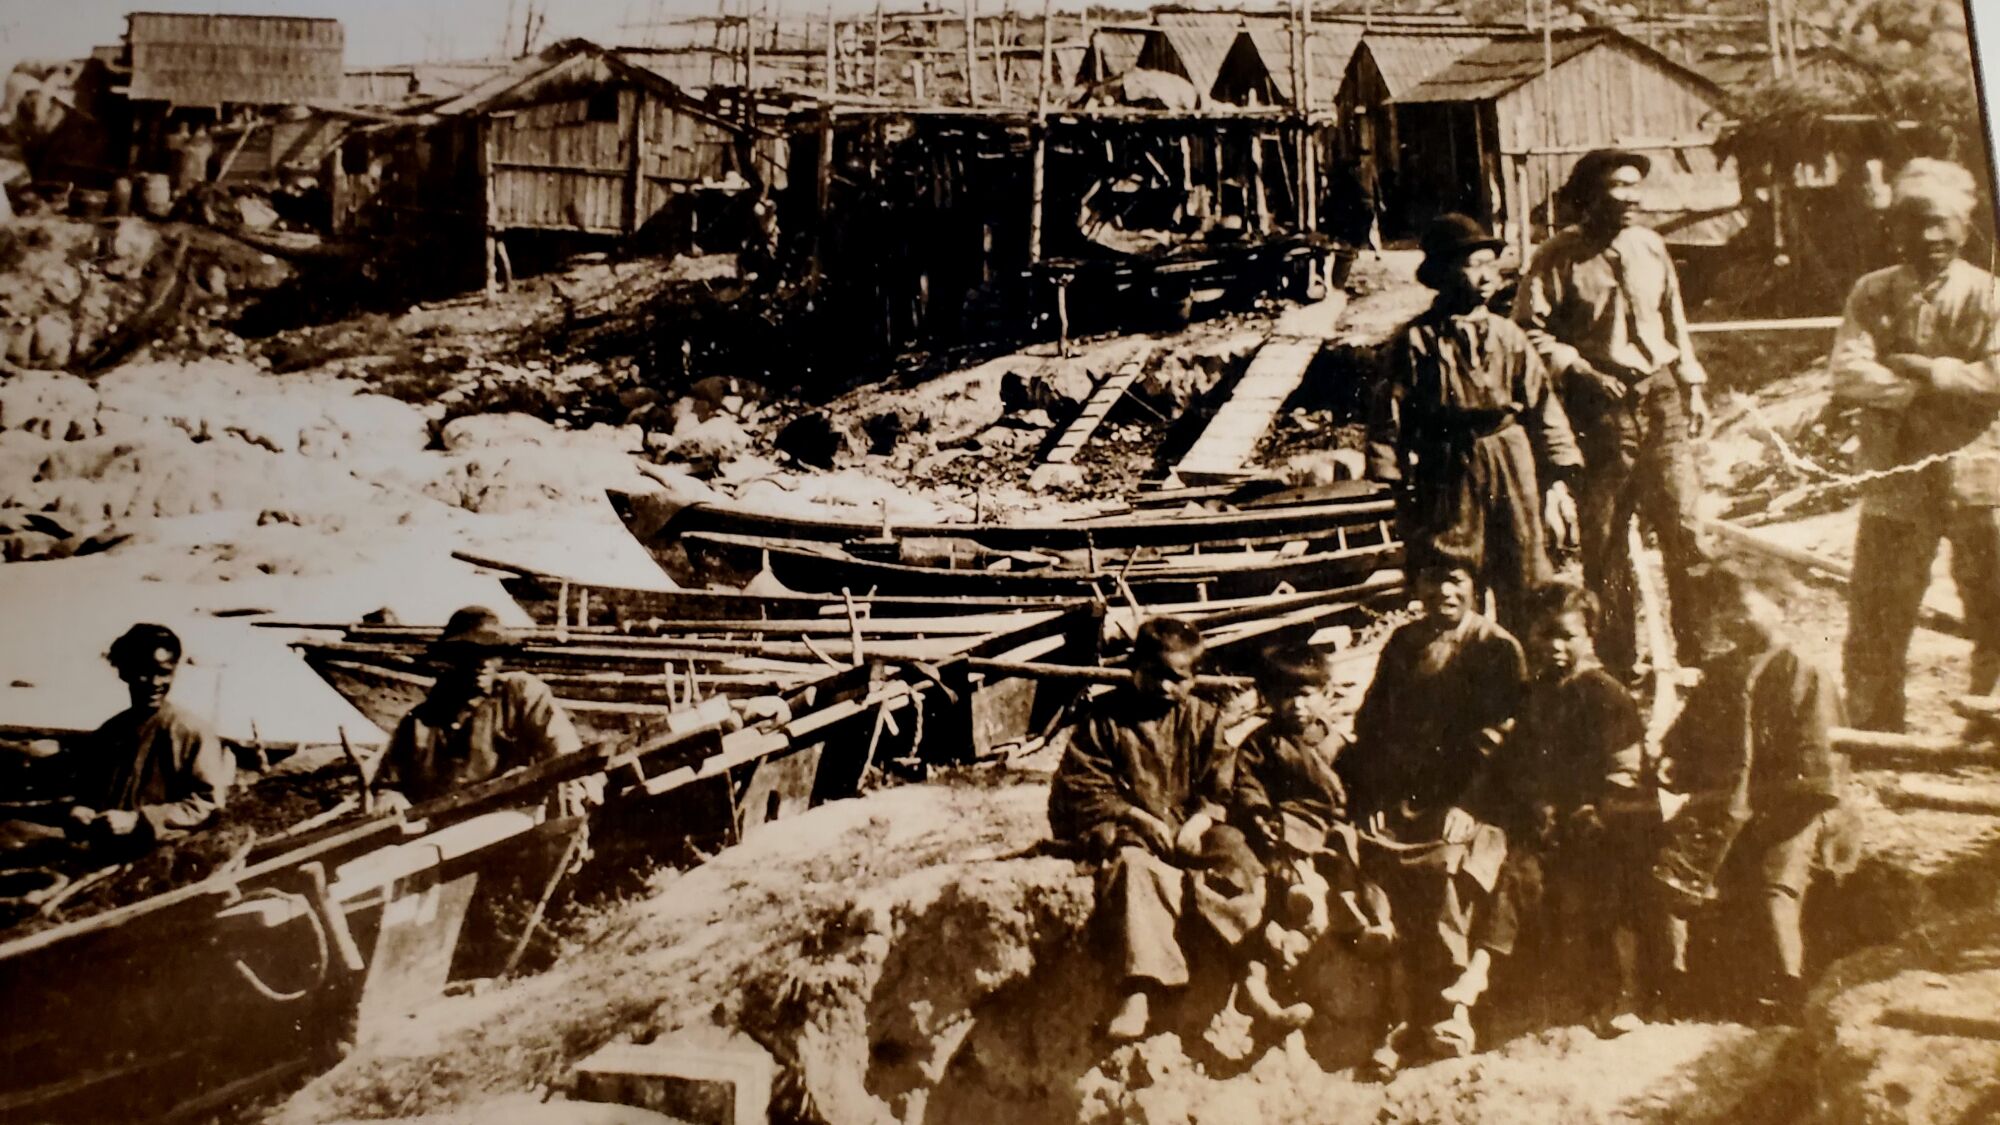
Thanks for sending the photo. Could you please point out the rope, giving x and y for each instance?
(320, 945)
(1835, 481)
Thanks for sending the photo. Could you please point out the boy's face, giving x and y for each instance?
(472, 673)
(1560, 645)
(1446, 594)
(1166, 676)
(1476, 278)
(148, 677)
(1295, 707)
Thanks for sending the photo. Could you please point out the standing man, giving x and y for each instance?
(477, 722)
(1143, 791)
(152, 772)
(1917, 353)
(1466, 419)
(1603, 306)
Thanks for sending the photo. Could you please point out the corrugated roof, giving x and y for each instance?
(1492, 69)
(1405, 59)
(248, 60)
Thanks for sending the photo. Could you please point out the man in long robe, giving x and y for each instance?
(1468, 421)
(1142, 792)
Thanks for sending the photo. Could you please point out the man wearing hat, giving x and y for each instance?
(1467, 421)
(477, 722)
(1602, 304)
(152, 771)
(1919, 353)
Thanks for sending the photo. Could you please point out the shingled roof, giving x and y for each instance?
(1500, 65)
(1406, 59)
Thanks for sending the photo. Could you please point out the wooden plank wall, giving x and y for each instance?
(1612, 94)
(559, 167)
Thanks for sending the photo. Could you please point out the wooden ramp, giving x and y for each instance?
(1222, 450)
(1095, 409)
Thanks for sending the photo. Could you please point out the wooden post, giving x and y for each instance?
(823, 186)
(1549, 97)
(875, 65)
(832, 83)
(635, 173)
(971, 57)
(1039, 171)
(1771, 38)
(1309, 149)
(486, 213)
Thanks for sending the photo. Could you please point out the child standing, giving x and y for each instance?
(1583, 807)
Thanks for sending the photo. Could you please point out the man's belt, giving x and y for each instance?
(1472, 425)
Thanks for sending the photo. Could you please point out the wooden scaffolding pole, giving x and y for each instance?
(875, 64)
(1039, 172)
(971, 57)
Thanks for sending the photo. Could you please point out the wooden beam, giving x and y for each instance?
(1840, 573)
(1791, 324)
(1940, 796)
(1932, 1021)
(1872, 749)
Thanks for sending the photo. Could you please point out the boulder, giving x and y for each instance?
(814, 440)
(484, 431)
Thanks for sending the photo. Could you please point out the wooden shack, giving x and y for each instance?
(1494, 129)
(200, 86)
(573, 141)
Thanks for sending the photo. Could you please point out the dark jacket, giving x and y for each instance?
(1289, 779)
(1423, 739)
(1134, 752)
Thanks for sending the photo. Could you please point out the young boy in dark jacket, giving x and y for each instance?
(1583, 807)
(1753, 751)
(1292, 807)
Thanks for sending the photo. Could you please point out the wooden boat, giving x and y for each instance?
(1190, 577)
(549, 599)
(182, 1003)
(657, 519)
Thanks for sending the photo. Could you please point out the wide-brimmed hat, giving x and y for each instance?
(474, 628)
(1593, 166)
(1448, 240)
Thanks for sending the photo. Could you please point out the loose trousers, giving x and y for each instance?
(1638, 461)
(1892, 572)
(1141, 899)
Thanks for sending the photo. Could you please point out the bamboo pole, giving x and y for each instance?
(1308, 149)
(971, 57)
(832, 83)
(1039, 171)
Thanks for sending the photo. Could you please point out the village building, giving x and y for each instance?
(1490, 125)
(570, 143)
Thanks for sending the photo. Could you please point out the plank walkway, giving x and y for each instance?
(1275, 373)
(1095, 409)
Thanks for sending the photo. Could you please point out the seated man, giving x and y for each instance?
(1753, 750)
(1141, 792)
(1444, 694)
(153, 771)
(477, 722)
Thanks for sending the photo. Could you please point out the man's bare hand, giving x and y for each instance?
(1559, 514)
(390, 801)
(1187, 844)
(1699, 417)
(119, 822)
(1378, 823)
(1458, 826)
(1152, 831)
